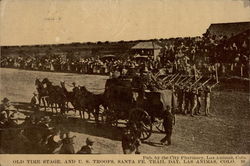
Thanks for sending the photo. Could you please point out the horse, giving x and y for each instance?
(91, 102)
(56, 95)
(42, 93)
(70, 97)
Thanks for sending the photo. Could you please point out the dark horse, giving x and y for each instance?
(70, 97)
(90, 102)
(56, 95)
(42, 93)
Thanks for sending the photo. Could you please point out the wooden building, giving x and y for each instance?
(148, 48)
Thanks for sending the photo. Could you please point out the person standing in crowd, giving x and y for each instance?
(193, 101)
(199, 94)
(88, 148)
(75, 88)
(7, 108)
(131, 140)
(3, 118)
(67, 144)
(187, 99)
(54, 141)
(168, 127)
(207, 93)
(44, 128)
(34, 102)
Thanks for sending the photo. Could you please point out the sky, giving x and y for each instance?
(28, 22)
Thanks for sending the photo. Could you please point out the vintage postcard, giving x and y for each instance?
(124, 82)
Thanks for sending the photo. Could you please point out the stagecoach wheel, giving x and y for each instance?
(143, 122)
(159, 126)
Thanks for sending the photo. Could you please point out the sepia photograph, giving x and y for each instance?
(125, 77)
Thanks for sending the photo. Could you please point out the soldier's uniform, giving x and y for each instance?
(193, 100)
(168, 127)
(207, 93)
(199, 94)
(187, 100)
(180, 97)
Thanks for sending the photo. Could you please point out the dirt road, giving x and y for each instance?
(227, 131)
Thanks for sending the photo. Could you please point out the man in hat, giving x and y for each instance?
(54, 141)
(88, 148)
(34, 102)
(168, 126)
(75, 88)
(6, 108)
(44, 128)
(3, 113)
(68, 142)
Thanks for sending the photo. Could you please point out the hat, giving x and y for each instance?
(73, 83)
(5, 100)
(89, 141)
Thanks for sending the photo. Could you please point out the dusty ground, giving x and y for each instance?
(227, 131)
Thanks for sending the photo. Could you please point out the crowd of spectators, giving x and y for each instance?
(205, 55)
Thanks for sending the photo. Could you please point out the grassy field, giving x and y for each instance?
(226, 131)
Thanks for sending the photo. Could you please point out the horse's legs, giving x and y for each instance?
(67, 106)
(52, 106)
(89, 113)
(44, 104)
(81, 113)
(39, 100)
(56, 107)
(96, 114)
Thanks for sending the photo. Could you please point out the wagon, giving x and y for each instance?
(143, 108)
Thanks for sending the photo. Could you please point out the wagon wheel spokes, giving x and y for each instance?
(159, 126)
(142, 121)
(146, 131)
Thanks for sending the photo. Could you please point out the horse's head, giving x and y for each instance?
(62, 83)
(45, 81)
(83, 90)
(37, 81)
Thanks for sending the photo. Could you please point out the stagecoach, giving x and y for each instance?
(136, 105)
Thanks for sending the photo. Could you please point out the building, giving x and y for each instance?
(228, 29)
(148, 48)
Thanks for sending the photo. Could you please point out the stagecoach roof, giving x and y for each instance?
(146, 45)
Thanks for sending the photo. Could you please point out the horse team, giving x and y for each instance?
(55, 96)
